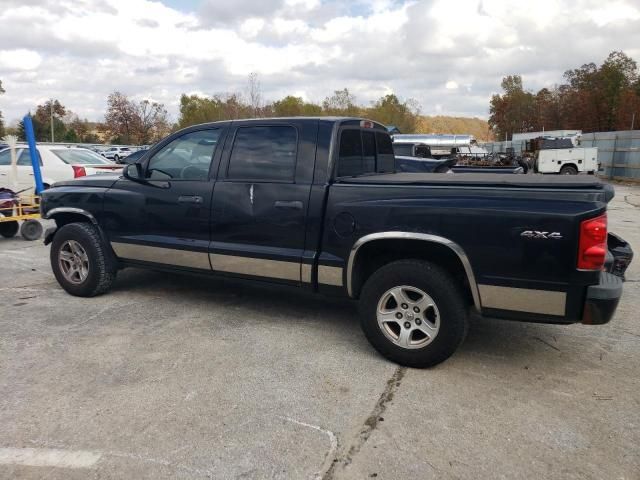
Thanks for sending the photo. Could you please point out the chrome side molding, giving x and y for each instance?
(425, 237)
(544, 302)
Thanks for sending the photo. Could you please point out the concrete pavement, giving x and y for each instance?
(181, 377)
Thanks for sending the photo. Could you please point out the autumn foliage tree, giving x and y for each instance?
(133, 122)
(593, 98)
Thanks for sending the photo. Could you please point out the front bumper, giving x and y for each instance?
(602, 300)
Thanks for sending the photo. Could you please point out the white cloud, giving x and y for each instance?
(19, 59)
(448, 55)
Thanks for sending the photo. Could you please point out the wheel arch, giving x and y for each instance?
(65, 215)
(389, 246)
(572, 165)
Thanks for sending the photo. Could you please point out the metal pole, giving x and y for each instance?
(51, 110)
(35, 162)
(633, 120)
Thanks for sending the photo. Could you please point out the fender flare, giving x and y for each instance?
(50, 232)
(425, 237)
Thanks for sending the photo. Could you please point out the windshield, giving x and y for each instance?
(79, 156)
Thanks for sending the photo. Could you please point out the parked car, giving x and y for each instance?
(57, 163)
(133, 157)
(316, 203)
(116, 153)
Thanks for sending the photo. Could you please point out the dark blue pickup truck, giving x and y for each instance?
(316, 203)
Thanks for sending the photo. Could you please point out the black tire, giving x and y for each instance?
(9, 229)
(116, 158)
(568, 170)
(102, 266)
(447, 296)
(31, 230)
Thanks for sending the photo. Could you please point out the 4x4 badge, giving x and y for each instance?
(542, 235)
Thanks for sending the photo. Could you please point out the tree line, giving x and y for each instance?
(127, 121)
(592, 99)
(388, 109)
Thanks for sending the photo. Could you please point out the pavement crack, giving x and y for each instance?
(626, 200)
(369, 425)
(547, 343)
(333, 441)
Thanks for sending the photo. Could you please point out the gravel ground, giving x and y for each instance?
(179, 377)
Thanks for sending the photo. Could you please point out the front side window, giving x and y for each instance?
(264, 153)
(188, 157)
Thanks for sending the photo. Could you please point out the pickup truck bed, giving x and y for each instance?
(315, 203)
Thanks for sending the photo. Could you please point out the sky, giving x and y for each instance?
(448, 55)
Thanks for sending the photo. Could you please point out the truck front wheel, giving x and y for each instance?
(80, 260)
(413, 313)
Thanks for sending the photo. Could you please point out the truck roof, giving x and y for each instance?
(378, 125)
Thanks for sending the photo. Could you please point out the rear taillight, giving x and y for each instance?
(78, 171)
(593, 243)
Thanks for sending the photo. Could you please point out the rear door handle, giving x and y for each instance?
(190, 199)
(293, 205)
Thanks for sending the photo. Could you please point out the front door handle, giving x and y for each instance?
(190, 199)
(293, 205)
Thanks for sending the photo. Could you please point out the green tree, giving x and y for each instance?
(389, 110)
(291, 106)
(51, 109)
(195, 109)
(341, 103)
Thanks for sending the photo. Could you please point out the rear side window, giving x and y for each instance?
(350, 160)
(386, 157)
(80, 156)
(364, 152)
(265, 153)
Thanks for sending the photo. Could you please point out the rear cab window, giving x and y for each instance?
(364, 151)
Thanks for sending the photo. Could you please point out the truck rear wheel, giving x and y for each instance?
(568, 170)
(80, 260)
(413, 313)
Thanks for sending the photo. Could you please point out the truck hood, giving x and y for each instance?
(101, 180)
(542, 182)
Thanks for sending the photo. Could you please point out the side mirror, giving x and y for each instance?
(133, 171)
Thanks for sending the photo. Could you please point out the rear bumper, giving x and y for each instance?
(619, 255)
(602, 300)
